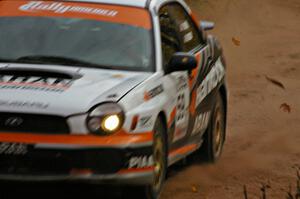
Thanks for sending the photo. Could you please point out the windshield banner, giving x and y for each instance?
(102, 12)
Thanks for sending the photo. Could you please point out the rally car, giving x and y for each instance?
(107, 91)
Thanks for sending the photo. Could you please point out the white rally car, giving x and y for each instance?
(110, 91)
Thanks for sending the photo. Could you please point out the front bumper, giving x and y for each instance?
(73, 163)
(138, 178)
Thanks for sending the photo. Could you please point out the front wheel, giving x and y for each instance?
(153, 191)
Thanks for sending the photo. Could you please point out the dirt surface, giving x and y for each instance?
(263, 141)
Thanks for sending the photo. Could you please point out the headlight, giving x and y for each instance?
(105, 119)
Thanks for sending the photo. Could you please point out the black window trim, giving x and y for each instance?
(199, 47)
(177, 35)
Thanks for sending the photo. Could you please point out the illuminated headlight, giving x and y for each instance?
(105, 119)
(111, 123)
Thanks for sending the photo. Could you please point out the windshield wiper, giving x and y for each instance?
(42, 59)
(7, 60)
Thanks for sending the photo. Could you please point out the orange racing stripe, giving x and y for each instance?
(192, 107)
(194, 73)
(172, 116)
(183, 150)
(135, 170)
(90, 140)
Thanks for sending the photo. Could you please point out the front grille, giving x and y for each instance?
(33, 123)
(56, 162)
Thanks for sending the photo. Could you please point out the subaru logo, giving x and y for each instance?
(13, 121)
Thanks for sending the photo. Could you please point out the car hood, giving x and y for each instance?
(61, 90)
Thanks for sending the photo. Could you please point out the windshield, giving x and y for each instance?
(104, 36)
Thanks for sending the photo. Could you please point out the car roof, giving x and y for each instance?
(135, 3)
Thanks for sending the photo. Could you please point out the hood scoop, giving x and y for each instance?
(37, 79)
(43, 73)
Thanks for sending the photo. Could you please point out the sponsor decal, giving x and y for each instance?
(30, 87)
(23, 104)
(80, 10)
(188, 37)
(210, 82)
(13, 121)
(181, 83)
(153, 92)
(201, 122)
(184, 26)
(118, 76)
(140, 162)
(13, 149)
(34, 83)
(145, 122)
(180, 107)
(56, 7)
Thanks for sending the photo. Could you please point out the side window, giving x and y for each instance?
(169, 35)
(189, 34)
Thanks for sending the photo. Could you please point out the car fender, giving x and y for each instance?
(144, 103)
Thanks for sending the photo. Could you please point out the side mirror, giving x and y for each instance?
(207, 25)
(181, 62)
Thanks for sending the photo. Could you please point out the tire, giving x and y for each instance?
(160, 166)
(214, 137)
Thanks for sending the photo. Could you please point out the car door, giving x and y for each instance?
(179, 33)
(171, 44)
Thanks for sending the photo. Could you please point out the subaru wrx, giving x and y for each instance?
(107, 91)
